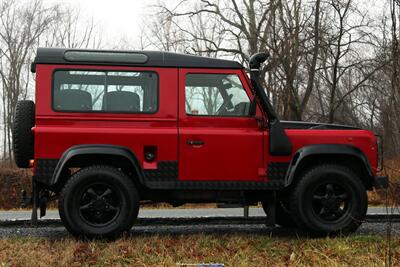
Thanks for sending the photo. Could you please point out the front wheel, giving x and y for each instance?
(98, 202)
(329, 199)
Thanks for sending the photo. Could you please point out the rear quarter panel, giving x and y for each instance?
(55, 132)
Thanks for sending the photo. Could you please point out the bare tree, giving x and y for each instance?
(391, 103)
(72, 31)
(242, 28)
(348, 33)
(21, 25)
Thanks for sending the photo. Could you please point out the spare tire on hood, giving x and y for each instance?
(24, 120)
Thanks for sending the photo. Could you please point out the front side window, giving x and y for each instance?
(215, 95)
(105, 91)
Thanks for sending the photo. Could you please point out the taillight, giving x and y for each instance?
(31, 163)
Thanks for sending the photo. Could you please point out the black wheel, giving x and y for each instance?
(283, 216)
(329, 199)
(24, 120)
(98, 202)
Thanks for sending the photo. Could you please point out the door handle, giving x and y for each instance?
(194, 142)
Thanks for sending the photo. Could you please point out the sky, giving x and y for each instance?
(117, 19)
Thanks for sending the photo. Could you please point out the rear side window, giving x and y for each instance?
(105, 91)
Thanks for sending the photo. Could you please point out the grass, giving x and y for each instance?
(231, 250)
(168, 250)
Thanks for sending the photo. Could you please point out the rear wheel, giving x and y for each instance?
(99, 202)
(329, 199)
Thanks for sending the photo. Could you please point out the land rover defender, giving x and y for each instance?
(111, 129)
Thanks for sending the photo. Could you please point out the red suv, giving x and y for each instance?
(112, 128)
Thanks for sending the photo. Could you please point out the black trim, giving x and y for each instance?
(381, 182)
(277, 170)
(97, 149)
(315, 126)
(45, 169)
(216, 185)
(326, 149)
(101, 111)
(279, 142)
(102, 56)
(166, 171)
(166, 177)
(155, 59)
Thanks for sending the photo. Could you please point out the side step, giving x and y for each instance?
(235, 205)
(225, 205)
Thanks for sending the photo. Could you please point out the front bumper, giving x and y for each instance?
(381, 182)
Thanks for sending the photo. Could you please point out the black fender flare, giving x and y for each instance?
(96, 149)
(326, 149)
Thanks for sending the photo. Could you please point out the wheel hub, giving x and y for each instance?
(330, 201)
(99, 205)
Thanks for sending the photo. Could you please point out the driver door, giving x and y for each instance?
(218, 140)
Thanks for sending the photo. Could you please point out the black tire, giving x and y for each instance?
(88, 209)
(283, 216)
(23, 143)
(329, 199)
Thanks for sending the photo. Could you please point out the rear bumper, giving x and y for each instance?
(381, 182)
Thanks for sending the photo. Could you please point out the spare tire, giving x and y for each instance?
(24, 120)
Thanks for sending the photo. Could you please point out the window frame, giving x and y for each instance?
(215, 116)
(101, 111)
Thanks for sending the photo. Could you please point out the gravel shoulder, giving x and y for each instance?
(178, 222)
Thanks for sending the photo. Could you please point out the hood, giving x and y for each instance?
(316, 126)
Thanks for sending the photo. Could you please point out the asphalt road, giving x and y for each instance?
(170, 213)
(177, 222)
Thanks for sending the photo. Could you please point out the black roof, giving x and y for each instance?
(128, 58)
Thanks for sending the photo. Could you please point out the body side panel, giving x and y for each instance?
(56, 132)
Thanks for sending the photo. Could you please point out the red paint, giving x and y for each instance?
(234, 148)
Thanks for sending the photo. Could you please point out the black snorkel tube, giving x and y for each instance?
(279, 142)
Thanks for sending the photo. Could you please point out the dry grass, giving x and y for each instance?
(390, 197)
(164, 250)
(12, 181)
(231, 250)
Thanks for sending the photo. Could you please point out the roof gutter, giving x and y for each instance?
(279, 142)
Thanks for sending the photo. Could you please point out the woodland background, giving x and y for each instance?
(335, 61)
